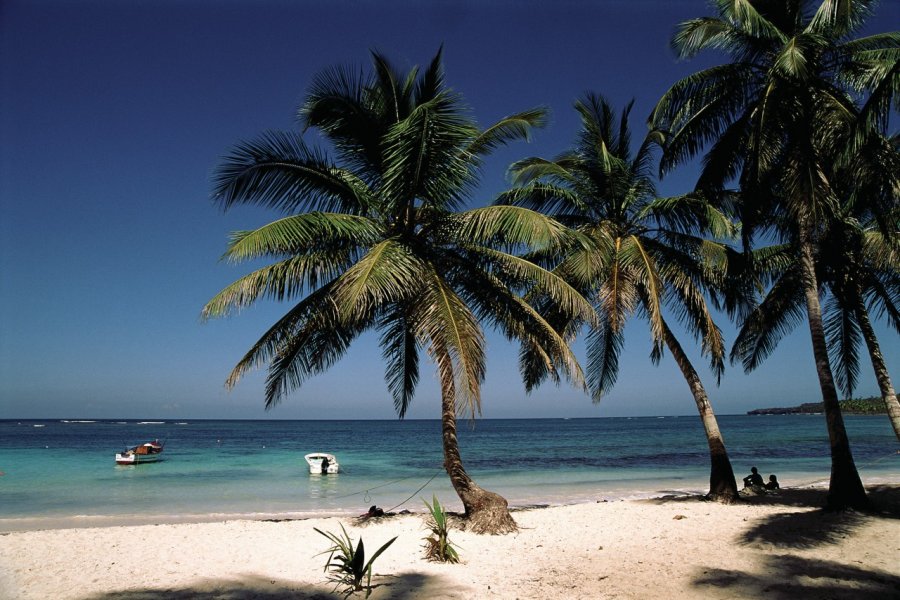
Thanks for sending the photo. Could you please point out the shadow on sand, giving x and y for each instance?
(807, 529)
(397, 587)
(791, 577)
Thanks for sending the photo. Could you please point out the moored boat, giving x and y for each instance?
(320, 462)
(142, 453)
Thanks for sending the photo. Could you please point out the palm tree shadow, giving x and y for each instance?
(790, 577)
(803, 529)
(806, 529)
(810, 529)
(397, 587)
(258, 588)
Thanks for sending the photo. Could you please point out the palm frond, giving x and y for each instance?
(400, 350)
(779, 313)
(743, 14)
(511, 226)
(604, 345)
(564, 297)
(298, 234)
(279, 171)
(311, 350)
(431, 84)
(284, 280)
(508, 129)
(455, 341)
(532, 169)
(424, 158)
(838, 18)
(389, 272)
(843, 337)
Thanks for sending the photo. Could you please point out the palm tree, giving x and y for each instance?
(775, 115)
(858, 267)
(375, 240)
(638, 253)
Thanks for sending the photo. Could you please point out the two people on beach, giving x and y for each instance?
(754, 481)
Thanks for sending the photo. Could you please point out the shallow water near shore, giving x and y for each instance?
(62, 473)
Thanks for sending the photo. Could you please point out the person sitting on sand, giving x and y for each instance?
(754, 479)
(772, 484)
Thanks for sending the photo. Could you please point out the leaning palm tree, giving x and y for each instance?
(638, 253)
(860, 272)
(775, 115)
(376, 240)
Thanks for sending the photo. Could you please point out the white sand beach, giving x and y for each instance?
(776, 546)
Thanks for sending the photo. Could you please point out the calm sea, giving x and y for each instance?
(62, 473)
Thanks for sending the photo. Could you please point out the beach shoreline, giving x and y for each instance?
(676, 547)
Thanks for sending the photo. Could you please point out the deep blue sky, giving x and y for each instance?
(114, 115)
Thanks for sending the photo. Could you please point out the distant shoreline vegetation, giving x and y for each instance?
(854, 406)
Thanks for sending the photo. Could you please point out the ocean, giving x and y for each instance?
(62, 472)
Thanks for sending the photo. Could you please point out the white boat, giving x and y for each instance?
(143, 453)
(319, 463)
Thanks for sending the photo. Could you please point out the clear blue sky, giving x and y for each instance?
(115, 113)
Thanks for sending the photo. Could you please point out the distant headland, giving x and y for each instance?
(854, 406)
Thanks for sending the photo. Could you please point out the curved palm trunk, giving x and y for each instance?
(845, 489)
(722, 486)
(486, 512)
(881, 373)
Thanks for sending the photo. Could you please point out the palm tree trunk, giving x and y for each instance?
(845, 489)
(881, 373)
(486, 512)
(722, 486)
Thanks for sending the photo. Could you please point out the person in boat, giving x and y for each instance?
(754, 479)
(325, 464)
(772, 483)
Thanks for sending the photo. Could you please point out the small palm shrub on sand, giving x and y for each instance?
(438, 547)
(348, 567)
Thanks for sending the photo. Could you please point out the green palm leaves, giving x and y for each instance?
(373, 238)
(634, 252)
(791, 118)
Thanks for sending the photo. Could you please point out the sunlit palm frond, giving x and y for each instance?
(452, 332)
(511, 226)
(543, 282)
(298, 234)
(424, 158)
(284, 280)
(744, 15)
(837, 18)
(389, 272)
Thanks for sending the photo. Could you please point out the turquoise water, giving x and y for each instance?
(65, 471)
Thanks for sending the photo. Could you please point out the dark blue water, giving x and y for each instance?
(218, 469)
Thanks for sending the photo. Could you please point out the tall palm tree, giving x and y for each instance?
(860, 271)
(774, 116)
(638, 253)
(376, 240)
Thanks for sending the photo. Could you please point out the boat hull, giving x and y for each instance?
(315, 461)
(137, 459)
(145, 453)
